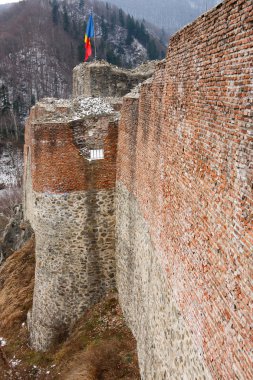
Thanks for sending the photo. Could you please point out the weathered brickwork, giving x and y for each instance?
(183, 202)
(69, 200)
(166, 349)
(185, 158)
(57, 147)
(69, 197)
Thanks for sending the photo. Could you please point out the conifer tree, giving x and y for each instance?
(81, 4)
(65, 19)
(121, 18)
(55, 12)
(104, 28)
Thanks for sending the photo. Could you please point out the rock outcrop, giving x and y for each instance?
(14, 234)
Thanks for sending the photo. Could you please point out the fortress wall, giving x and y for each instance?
(75, 260)
(184, 203)
(70, 203)
(56, 151)
(100, 79)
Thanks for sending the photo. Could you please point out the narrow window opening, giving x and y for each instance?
(96, 154)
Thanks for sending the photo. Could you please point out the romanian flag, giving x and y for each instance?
(89, 33)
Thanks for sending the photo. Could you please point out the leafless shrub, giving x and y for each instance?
(9, 197)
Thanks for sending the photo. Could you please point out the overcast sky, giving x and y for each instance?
(8, 1)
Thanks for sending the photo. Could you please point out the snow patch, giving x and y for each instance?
(11, 164)
(14, 362)
(3, 342)
(93, 106)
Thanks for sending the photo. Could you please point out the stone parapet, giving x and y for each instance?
(100, 79)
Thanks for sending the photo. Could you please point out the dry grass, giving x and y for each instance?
(16, 288)
(100, 346)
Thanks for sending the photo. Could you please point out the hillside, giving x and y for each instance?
(100, 345)
(41, 41)
(170, 15)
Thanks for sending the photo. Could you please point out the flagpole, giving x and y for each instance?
(95, 47)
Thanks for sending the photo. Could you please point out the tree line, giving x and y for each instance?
(42, 40)
(107, 18)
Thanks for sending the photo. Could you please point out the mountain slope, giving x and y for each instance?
(41, 41)
(100, 345)
(168, 14)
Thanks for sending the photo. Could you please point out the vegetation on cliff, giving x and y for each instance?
(100, 346)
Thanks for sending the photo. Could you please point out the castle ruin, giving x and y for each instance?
(153, 197)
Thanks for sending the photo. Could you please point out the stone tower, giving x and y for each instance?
(70, 174)
(69, 200)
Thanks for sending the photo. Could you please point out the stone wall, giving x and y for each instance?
(69, 200)
(184, 203)
(165, 345)
(74, 259)
(102, 79)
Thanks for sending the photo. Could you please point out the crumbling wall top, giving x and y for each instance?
(101, 79)
(50, 110)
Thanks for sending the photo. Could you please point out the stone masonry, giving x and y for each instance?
(174, 182)
(69, 200)
(102, 79)
(166, 348)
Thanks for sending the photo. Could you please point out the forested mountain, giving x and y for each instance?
(168, 14)
(42, 40)
(40, 43)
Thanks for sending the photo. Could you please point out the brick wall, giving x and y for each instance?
(55, 153)
(185, 156)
